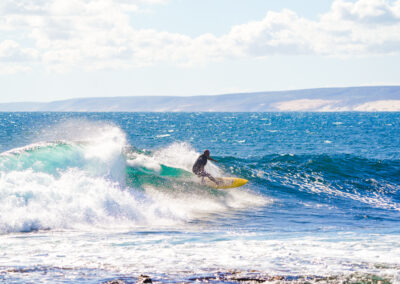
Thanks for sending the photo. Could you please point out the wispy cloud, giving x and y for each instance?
(98, 34)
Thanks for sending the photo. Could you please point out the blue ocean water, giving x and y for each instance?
(91, 197)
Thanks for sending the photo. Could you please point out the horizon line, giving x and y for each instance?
(204, 95)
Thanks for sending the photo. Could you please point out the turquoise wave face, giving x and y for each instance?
(50, 157)
(139, 176)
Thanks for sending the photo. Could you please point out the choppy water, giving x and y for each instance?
(100, 196)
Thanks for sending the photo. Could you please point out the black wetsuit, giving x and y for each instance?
(198, 167)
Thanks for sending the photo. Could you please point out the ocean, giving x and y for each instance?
(103, 197)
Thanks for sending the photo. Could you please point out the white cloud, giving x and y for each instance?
(8, 69)
(95, 34)
(14, 58)
(361, 28)
(10, 51)
(364, 11)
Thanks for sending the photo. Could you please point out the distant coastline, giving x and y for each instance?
(368, 99)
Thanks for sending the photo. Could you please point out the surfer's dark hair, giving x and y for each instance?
(207, 152)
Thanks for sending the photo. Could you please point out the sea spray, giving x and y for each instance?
(103, 144)
(178, 155)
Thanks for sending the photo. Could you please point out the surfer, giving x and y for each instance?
(198, 167)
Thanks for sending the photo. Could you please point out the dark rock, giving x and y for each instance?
(115, 281)
(144, 279)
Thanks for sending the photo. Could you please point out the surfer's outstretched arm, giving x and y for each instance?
(209, 158)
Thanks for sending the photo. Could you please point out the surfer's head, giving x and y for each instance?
(207, 153)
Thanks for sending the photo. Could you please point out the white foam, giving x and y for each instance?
(191, 204)
(32, 201)
(163, 135)
(190, 253)
(41, 201)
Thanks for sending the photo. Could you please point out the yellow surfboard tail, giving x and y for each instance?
(226, 182)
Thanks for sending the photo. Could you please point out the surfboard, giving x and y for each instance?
(225, 182)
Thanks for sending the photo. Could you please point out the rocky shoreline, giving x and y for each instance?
(256, 277)
(230, 276)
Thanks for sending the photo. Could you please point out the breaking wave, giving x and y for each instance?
(93, 178)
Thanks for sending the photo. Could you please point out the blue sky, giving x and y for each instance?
(58, 49)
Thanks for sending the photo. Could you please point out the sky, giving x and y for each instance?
(60, 49)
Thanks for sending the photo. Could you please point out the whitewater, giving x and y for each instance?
(97, 197)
